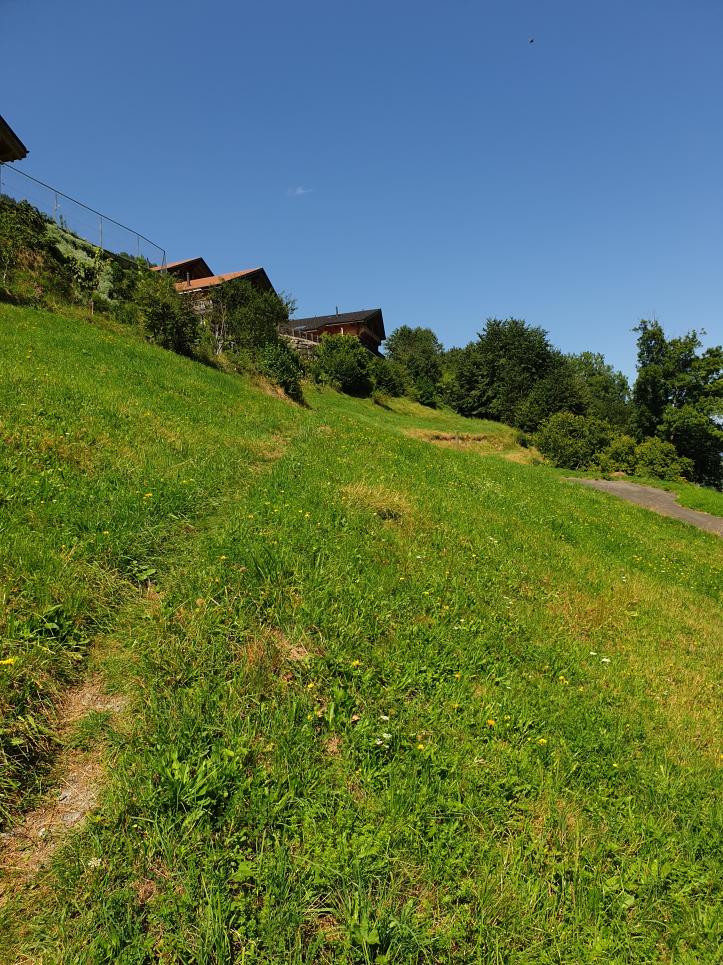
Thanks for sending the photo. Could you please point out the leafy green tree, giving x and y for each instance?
(418, 352)
(678, 395)
(559, 390)
(167, 316)
(697, 437)
(342, 361)
(388, 376)
(605, 391)
(244, 319)
(497, 373)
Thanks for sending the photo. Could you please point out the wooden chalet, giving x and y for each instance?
(367, 326)
(194, 276)
(11, 147)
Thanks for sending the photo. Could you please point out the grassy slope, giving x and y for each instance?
(395, 701)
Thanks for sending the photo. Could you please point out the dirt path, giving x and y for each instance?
(659, 500)
(75, 780)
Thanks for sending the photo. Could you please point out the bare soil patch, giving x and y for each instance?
(76, 781)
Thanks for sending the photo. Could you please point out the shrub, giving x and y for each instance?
(572, 441)
(280, 363)
(167, 316)
(388, 376)
(342, 361)
(619, 456)
(654, 457)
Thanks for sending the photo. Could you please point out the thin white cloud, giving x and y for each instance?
(299, 191)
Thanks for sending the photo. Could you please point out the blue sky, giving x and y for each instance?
(422, 157)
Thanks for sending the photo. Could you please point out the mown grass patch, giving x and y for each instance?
(477, 737)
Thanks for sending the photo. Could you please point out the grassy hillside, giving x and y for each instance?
(394, 695)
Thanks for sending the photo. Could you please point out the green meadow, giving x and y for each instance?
(394, 690)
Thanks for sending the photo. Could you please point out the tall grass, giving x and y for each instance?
(390, 702)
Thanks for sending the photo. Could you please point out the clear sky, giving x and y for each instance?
(422, 157)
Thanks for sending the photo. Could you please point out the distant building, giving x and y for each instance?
(367, 326)
(11, 147)
(195, 278)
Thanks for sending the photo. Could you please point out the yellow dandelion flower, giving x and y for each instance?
(420, 747)
(491, 722)
(7, 661)
(542, 740)
(356, 663)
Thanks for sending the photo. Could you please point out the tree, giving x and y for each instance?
(418, 352)
(167, 316)
(678, 396)
(497, 373)
(606, 391)
(244, 319)
(342, 361)
(388, 376)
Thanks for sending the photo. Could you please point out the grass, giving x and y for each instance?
(688, 494)
(389, 700)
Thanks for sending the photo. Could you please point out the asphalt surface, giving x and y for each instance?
(659, 500)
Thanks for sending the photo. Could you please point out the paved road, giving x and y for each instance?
(659, 500)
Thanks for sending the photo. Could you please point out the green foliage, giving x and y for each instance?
(619, 456)
(605, 391)
(497, 373)
(282, 365)
(654, 457)
(342, 362)
(584, 442)
(559, 390)
(678, 395)
(572, 441)
(388, 377)
(417, 352)
(242, 318)
(22, 229)
(387, 700)
(167, 316)
(698, 438)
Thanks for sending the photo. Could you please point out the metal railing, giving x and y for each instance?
(78, 218)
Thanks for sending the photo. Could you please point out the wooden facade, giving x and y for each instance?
(367, 326)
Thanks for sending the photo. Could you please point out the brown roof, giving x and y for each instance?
(253, 274)
(185, 262)
(11, 147)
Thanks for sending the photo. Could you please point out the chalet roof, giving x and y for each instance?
(255, 275)
(190, 264)
(11, 147)
(371, 317)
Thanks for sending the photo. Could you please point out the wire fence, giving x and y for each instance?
(78, 218)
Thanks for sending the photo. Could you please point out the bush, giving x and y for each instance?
(619, 456)
(280, 363)
(572, 441)
(654, 457)
(388, 376)
(167, 316)
(343, 362)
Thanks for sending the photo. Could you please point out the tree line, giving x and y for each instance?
(577, 408)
